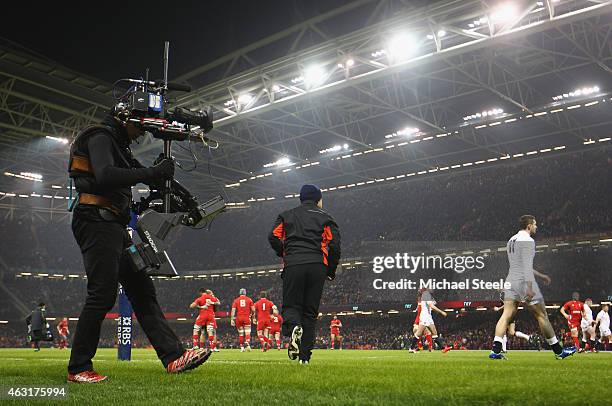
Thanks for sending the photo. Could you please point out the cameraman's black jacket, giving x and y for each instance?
(305, 235)
(101, 164)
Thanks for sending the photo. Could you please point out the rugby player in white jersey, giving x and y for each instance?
(426, 322)
(587, 325)
(603, 319)
(524, 288)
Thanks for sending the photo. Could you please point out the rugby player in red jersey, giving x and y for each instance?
(205, 302)
(215, 347)
(276, 321)
(334, 327)
(572, 311)
(62, 330)
(241, 315)
(262, 308)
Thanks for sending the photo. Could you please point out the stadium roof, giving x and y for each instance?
(373, 91)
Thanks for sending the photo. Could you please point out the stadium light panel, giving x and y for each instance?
(487, 113)
(404, 132)
(279, 162)
(314, 76)
(335, 148)
(408, 131)
(347, 64)
(58, 139)
(504, 14)
(37, 177)
(585, 91)
(401, 47)
(245, 98)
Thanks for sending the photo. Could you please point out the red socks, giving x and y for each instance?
(429, 341)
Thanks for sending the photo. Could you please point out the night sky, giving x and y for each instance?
(121, 39)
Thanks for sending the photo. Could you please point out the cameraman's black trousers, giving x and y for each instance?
(102, 244)
(302, 290)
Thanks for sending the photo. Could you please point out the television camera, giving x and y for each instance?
(145, 104)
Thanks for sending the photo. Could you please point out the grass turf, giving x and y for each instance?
(347, 377)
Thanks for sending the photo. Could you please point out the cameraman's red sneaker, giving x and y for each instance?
(189, 360)
(86, 377)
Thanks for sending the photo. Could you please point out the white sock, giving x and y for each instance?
(552, 341)
(522, 335)
(500, 339)
(504, 342)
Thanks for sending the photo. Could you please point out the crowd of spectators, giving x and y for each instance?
(569, 195)
(580, 268)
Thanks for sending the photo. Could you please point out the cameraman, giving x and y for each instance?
(104, 170)
(308, 240)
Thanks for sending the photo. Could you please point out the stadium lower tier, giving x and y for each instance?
(572, 267)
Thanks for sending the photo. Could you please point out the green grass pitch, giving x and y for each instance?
(333, 377)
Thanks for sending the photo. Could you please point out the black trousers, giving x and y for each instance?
(302, 290)
(102, 244)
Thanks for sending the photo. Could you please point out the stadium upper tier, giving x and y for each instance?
(568, 194)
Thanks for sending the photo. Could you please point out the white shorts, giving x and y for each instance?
(518, 292)
(584, 324)
(605, 332)
(426, 321)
